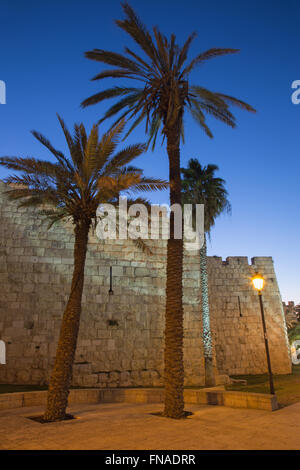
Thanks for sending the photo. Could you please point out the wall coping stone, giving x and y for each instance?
(202, 396)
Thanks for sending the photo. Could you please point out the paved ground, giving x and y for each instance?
(132, 426)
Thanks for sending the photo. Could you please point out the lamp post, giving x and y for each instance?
(258, 283)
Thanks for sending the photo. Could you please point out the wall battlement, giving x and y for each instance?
(237, 260)
(121, 335)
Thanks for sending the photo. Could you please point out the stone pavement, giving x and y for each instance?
(128, 426)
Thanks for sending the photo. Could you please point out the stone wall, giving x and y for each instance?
(121, 335)
(236, 317)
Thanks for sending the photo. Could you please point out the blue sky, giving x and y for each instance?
(42, 63)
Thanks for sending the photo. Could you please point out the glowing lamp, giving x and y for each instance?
(258, 282)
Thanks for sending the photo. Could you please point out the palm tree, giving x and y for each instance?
(200, 186)
(73, 188)
(161, 100)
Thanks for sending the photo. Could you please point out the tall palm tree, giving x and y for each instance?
(161, 100)
(73, 188)
(200, 186)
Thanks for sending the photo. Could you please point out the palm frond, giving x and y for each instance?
(134, 27)
(209, 54)
(44, 141)
(66, 132)
(135, 124)
(166, 92)
(127, 102)
(90, 153)
(54, 216)
(124, 157)
(161, 50)
(75, 186)
(109, 141)
(239, 103)
(153, 131)
(221, 114)
(207, 96)
(112, 58)
(139, 59)
(30, 166)
(116, 74)
(184, 51)
(106, 94)
(200, 119)
(79, 145)
(142, 245)
(149, 184)
(30, 196)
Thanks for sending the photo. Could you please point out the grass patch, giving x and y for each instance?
(287, 387)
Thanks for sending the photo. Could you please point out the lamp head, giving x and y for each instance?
(258, 282)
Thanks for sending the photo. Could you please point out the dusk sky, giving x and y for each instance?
(42, 63)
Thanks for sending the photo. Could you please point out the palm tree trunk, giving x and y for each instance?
(174, 370)
(60, 381)
(207, 340)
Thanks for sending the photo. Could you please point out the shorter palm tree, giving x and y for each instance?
(200, 186)
(73, 188)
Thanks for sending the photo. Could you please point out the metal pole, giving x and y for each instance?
(272, 390)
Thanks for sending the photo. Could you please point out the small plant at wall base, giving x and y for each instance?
(72, 188)
(161, 101)
(200, 186)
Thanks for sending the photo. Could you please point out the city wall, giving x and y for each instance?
(121, 334)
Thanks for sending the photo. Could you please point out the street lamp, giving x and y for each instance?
(258, 283)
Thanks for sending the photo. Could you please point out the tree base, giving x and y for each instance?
(42, 420)
(163, 415)
(210, 380)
